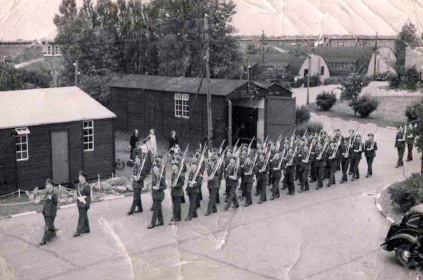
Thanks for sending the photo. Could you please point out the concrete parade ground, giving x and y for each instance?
(332, 233)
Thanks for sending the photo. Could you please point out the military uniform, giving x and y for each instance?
(305, 171)
(83, 189)
(232, 178)
(138, 186)
(177, 193)
(193, 191)
(409, 139)
(158, 196)
(248, 180)
(332, 162)
(290, 173)
(213, 186)
(345, 162)
(370, 154)
(312, 159)
(320, 166)
(263, 176)
(49, 213)
(356, 157)
(400, 145)
(276, 172)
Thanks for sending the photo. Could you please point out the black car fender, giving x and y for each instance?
(395, 240)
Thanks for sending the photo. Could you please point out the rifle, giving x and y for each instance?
(293, 156)
(291, 143)
(278, 142)
(374, 140)
(161, 172)
(252, 165)
(324, 148)
(219, 163)
(283, 155)
(305, 133)
(199, 165)
(337, 146)
(309, 152)
(405, 130)
(142, 166)
(182, 165)
(221, 146)
(249, 145)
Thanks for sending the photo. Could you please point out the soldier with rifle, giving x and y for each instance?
(193, 188)
(320, 163)
(214, 172)
(177, 183)
(305, 169)
(345, 159)
(249, 172)
(158, 185)
(290, 171)
(332, 162)
(275, 170)
(350, 149)
(139, 174)
(358, 148)
(313, 170)
(233, 174)
(263, 176)
(370, 148)
(49, 212)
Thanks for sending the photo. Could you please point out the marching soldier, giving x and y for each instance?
(345, 160)
(177, 192)
(357, 151)
(332, 162)
(350, 149)
(263, 176)
(213, 174)
(232, 181)
(137, 185)
(243, 160)
(158, 185)
(248, 180)
(83, 203)
(49, 212)
(276, 175)
(320, 164)
(193, 189)
(226, 161)
(305, 170)
(370, 153)
(410, 141)
(298, 159)
(400, 145)
(336, 138)
(312, 159)
(290, 171)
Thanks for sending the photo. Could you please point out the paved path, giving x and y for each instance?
(24, 64)
(333, 233)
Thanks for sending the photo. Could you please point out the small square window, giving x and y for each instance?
(88, 133)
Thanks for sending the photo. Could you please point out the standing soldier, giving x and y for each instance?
(193, 189)
(176, 192)
(276, 172)
(83, 203)
(49, 212)
(350, 150)
(232, 181)
(332, 161)
(226, 162)
(313, 170)
(263, 176)
(137, 185)
(298, 159)
(213, 183)
(290, 171)
(400, 145)
(410, 141)
(158, 185)
(357, 151)
(370, 153)
(248, 180)
(243, 160)
(305, 170)
(345, 160)
(272, 150)
(336, 138)
(320, 164)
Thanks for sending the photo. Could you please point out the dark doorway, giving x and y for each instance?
(244, 124)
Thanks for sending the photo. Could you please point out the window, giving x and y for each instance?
(21, 143)
(322, 70)
(88, 128)
(305, 72)
(56, 50)
(340, 43)
(49, 50)
(181, 105)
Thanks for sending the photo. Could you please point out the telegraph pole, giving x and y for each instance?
(209, 102)
(262, 46)
(375, 52)
(76, 73)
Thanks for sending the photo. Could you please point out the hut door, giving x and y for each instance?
(60, 157)
(280, 116)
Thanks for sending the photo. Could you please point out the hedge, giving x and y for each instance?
(408, 193)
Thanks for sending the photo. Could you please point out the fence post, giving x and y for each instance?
(19, 192)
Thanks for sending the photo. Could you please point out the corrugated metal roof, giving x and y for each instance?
(47, 106)
(220, 87)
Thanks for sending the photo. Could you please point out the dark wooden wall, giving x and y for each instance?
(33, 172)
(146, 109)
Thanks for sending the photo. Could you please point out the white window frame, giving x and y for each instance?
(185, 106)
(21, 143)
(56, 50)
(49, 50)
(84, 128)
(178, 105)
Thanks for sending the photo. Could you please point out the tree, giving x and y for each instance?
(351, 88)
(17, 79)
(406, 38)
(68, 12)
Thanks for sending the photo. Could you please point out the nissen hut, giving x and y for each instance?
(240, 109)
(53, 133)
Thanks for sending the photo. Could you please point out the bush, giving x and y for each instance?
(309, 126)
(314, 81)
(326, 100)
(298, 82)
(411, 79)
(352, 85)
(302, 115)
(394, 81)
(412, 111)
(406, 194)
(365, 105)
(334, 80)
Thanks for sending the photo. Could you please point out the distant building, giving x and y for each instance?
(53, 133)
(385, 59)
(13, 48)
(414, 59)
(51, 49)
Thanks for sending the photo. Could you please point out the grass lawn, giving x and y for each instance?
(389, 113)
(22, 204)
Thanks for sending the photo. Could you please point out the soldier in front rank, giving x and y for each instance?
(213, 175)
(263, 176)
(350, 150)
(49, 212)
(313, 170)
(138, 183)
(275, 170)
(332, 161)
(249, 171)
(290, 171)
(305, 170)
(358, 148)
(370, 148)
(243, 159)
(232, 181)
(298, 159)
(158, 185)
(345, 160)
(83, 203)
(177, 182)
(400, 145)
(320, 164)
(272, 150)
(338, 135)
(409, 139)
(226, 164)
(193, 189)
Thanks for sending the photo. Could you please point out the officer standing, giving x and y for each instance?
(158, 185)
(49, 212)
(138, 183)
(83, 203)
(410, 141)
(370, 148)
(400, 145)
